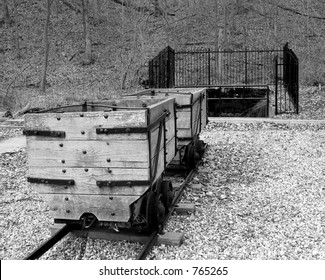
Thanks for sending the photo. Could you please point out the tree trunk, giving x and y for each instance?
(46, 44)
(96, 12)
(17, 30)
(88, 59)
(4, 13)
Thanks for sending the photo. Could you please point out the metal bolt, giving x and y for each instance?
(84, 152)
(81, 115)
(107, 143)
(63, 161)
(113, 214)
(111, 198)
(82, 132)
(105, 116)
(109, 170)
(61, 145)
(68, 211)
(58, 118)
(86, 169)
(64, 171)
(66, 199)
(108, 160)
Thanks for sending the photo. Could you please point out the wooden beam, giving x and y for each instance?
(168, 238)
(184, 208)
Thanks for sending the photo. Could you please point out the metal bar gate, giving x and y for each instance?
(277, 69)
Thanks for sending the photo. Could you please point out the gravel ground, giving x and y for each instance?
(258, 195)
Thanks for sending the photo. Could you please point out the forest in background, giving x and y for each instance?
(62, 51)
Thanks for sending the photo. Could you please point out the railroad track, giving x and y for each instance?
(147, 246)
(152, 240)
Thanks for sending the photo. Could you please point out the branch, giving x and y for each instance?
(299, 13)
(138, 8)
(69, 5)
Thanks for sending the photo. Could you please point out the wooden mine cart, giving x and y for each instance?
(103, 160)
(191, 111)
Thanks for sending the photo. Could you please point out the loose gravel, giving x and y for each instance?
(259, 194)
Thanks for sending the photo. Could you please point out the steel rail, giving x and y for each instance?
(48, 244)
(153, 238)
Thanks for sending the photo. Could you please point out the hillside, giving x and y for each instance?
(124, 38)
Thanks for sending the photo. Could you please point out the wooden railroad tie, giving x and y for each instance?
(168, 238)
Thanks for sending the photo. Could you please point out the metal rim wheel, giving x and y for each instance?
(155, 210)
(167, 194)
(190, 156)
(199, 144)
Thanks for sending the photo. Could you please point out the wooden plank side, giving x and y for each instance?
(184, 118)
(104, 207)
(170, 134)
(181, 97)
(92, 175)
(130, 154)
(159, 108)
(160, 166)
(125, 103)
(196, 118)
(83, 128)
(89, 188)
(204, 108)
(184, 123)
(171, 150)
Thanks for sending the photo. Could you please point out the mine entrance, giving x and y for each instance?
(242, 83)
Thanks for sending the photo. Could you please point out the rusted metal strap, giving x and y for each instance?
(60, 182)
(44, 133)
(111, 184)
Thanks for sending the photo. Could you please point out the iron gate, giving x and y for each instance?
(277, 69)
(162, 69)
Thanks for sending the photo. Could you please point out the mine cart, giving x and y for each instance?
(103, 161)
(191, 111)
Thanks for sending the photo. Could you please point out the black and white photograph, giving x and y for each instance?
(189, 134)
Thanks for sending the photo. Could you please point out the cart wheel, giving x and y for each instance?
(199, 144)
(167, 194)
(190, 156)
(155, 210)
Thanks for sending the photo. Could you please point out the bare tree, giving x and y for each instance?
(17, 29)
(4, 13)
(88, 59)
(46, 44)
(95, 11)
